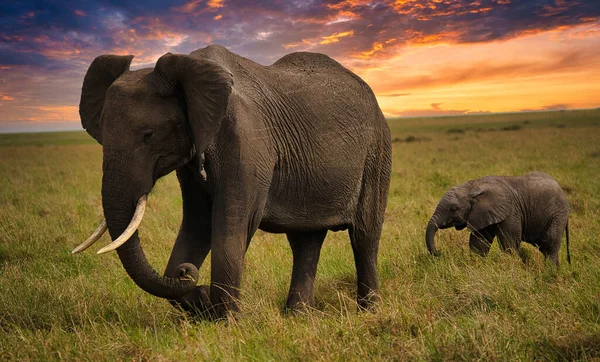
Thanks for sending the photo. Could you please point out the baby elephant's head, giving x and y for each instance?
(453, 209)
(475, 204)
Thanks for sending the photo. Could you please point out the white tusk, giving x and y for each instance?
(92, 239)
(131, 228)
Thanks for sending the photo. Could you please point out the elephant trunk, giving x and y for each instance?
(118, 202)
(432, 228)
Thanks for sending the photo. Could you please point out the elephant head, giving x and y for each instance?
(474, 205)
(149, 123)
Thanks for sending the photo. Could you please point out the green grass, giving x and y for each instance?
(45, 139)
(458, 307)
(497, 121)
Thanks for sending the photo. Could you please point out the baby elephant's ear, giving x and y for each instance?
(206, 86)
(490, 204)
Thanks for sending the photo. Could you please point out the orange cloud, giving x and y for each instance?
(427, 9)
(407, 6)
(296, 44)
(585, 32)
(215, 4)
(561, 6)
(334, 38)
(343, 10)
(151, 29)
(4, 97)
(60, 113)
(480, 10)
(418, 38)
(339, 12)
(377, 46)
(218, 17)
(80, 13)
(348, 3)
(47, 113)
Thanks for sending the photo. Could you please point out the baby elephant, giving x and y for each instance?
(530, 208)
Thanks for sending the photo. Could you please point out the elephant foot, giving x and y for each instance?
(296, 309)
(478, 252)
(369, 302)
(196, 303)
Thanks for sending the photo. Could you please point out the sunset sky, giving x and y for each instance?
(421, 57)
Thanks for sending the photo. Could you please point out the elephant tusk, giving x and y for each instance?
(92, 239)
(131, 228)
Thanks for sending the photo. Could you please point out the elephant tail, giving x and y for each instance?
(568, 252)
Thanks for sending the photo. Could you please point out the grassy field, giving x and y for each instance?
(458, 307)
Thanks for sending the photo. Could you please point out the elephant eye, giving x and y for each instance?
(147, 136)
(453, 208)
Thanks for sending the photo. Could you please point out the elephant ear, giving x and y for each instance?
(206, 87)
(491, 204)
(103, 71)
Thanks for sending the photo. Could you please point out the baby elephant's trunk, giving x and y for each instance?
(430, 236)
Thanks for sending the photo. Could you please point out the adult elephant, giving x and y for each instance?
(299, 147)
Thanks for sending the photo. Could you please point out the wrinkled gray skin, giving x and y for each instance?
(299, 147)
(530, 208)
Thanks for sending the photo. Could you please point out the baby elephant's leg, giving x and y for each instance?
(509, 236)
(550, 252)
(480, 241)
(549, 245)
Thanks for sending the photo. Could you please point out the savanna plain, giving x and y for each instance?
(54, 305)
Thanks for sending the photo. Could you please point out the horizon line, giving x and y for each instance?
(388, 118)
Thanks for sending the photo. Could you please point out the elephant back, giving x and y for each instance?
(307, 62)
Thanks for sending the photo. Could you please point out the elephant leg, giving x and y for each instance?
(365, 247)
(192, 244)
(193, 241)
(306, 248)
(364, 237)
(235, 219)
(190, 247)
(550, 253)
(366, 229)
(550, 243)
(230, 239)
(480, 241)
(509, 235)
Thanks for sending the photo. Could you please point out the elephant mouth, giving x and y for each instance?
(168, 163)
